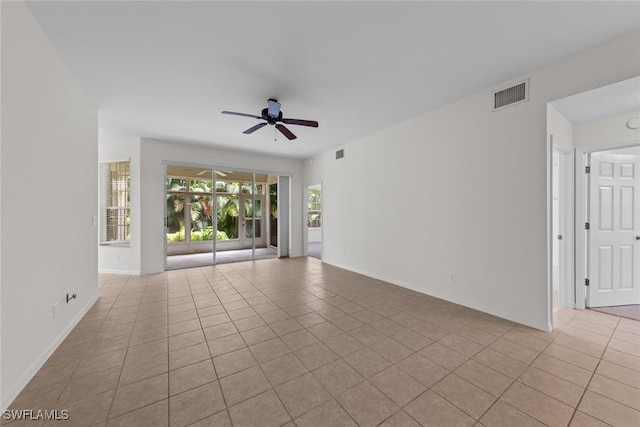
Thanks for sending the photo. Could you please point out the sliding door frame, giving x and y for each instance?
(254, 172)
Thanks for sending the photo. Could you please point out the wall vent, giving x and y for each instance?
(512, 95)
(339, 154)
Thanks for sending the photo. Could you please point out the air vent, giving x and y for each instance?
(339, 154)
(511, 95)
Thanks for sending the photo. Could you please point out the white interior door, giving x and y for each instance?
(614, 248)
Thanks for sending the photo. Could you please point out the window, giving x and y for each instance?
(314, 203)
(115, 215)
(189, 207)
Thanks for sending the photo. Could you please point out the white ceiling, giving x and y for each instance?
(167, 69)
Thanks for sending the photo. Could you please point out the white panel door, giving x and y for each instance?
(614, 245)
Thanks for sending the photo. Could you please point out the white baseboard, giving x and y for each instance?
(460, 301)
(112, 271)
(9, 395)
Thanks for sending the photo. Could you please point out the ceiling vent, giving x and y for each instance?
(339, 154)
(515, 94)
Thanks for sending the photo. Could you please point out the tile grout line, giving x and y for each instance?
(169, 352)
(125, 356)
(262, 371)
(210, 358)
(516, 380)
(238, 279)
(591, 378)
(227, 408)
(215, 370)
(513, 380)
(122, 369)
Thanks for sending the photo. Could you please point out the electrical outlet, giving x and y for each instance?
(94, 220)
(55, 309)
(452, 277)
(117, 257)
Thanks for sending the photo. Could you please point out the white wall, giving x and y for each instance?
(113, 147)
(464, 191)
(49, 182)
(152, 187)
(606, 133)
(315, 235)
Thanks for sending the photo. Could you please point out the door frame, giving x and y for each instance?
(567, 218)
(242, 228)
(270, 231)
(306, 218)
(580, 240)
(565, 226)
(577, 201)
(165, 165)
(285, 235)
(583, 206)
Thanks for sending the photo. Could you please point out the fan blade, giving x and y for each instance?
(241, 114)
(254, 128)
(286, 132)
(311, 123)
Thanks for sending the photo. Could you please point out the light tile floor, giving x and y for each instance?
(272, 342)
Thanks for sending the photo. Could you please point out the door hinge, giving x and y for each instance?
(587, 169)
(587, 226)
(586, 282)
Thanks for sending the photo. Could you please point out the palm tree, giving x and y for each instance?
(228, 212)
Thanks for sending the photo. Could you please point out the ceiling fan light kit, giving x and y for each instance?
(634, 123)
(273, 116)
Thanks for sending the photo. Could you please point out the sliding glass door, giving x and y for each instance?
(189, 216)
(217, 216)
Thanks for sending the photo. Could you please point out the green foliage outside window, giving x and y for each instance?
(314, 204)
(180, 196)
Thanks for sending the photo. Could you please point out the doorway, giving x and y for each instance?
(273, 215)
(590, 122)
(189, 217)
(314, 221)
(251, 225)
(562, 226)
(613, 234)
(215, 216)
(558, 230)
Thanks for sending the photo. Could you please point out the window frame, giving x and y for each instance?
(106, 183)
(317, 204)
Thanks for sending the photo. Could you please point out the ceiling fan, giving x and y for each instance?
(195, 172)
(273, 116)
(221, 173)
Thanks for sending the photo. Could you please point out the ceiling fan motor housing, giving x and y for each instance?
(271, 119)
(273, 109)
